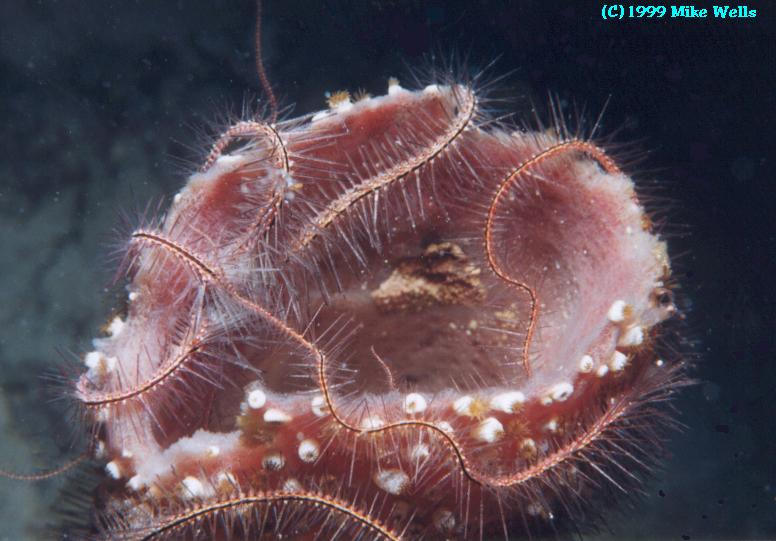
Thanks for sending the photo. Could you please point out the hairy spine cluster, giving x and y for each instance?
(387, 320)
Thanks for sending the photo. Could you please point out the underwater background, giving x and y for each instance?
(107, 105)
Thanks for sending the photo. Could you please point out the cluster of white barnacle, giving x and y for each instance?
(273, 461)
(256, 399)
(319, 406)
(99, 364)
(194, 488)
(631, 334)
(393, 481)
(490, 429)
(341, 101)
(414, 403)
(508, 402)
(560, 392)
(309, 449)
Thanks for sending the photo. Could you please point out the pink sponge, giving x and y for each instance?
(389, 320)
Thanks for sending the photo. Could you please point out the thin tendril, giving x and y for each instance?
(273, 102)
